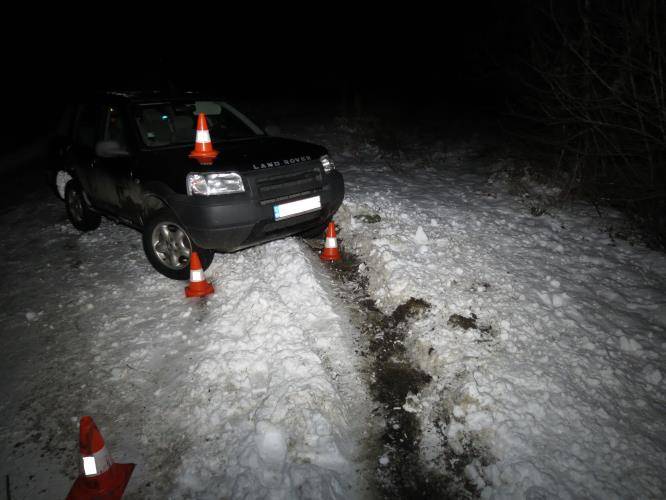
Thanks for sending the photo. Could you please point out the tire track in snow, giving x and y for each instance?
(394, 384)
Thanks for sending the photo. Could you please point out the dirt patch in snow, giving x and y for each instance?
(464, 322)
(368, 218)
(395, 383)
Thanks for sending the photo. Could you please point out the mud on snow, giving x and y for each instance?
(395, 382)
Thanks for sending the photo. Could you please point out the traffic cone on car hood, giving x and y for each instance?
(330, 251)
(203, 148)
(199, 286)
(101, 478)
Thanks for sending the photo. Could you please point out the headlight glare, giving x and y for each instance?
(209, 184)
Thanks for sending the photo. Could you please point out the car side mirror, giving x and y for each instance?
(110, 149)
(272, 129)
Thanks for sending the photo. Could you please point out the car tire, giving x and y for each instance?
(79, 213)
(167, 246)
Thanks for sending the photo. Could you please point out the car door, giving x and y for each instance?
(98, 175)
(125, 169)
(117, 188)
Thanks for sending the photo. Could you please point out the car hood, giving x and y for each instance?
(241, 155)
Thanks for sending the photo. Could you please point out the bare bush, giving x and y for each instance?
(599, 81)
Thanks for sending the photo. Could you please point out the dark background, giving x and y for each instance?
(456, 58)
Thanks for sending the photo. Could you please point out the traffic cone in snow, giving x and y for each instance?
(330, 251)
(199, 286)
(101, 478)
(203, 149)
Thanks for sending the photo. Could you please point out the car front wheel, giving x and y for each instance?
(168, 246)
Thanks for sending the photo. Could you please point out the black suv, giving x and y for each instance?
(127, 157)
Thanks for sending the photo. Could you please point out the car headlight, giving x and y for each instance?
(208, 184)
(327, 163)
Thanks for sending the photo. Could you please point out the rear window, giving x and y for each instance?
(172, 123)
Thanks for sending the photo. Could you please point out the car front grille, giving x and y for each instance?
(295, 182)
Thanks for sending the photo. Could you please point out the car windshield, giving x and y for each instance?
(172, 123)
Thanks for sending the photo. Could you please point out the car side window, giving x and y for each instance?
(114, 126)
(86, 126)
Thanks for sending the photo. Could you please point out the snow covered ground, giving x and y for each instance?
(545, 339)
(252, 392)
(559, 390)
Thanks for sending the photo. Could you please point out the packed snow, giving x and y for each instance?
(545, 341)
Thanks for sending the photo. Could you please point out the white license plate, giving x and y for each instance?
(292, 208)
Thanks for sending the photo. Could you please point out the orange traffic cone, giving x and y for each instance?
(203, 149)
(331, 245)
(101, 478)
(199, 286)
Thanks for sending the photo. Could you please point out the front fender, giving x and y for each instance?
(155, 197)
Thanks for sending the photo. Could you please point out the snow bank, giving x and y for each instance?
(262, 390)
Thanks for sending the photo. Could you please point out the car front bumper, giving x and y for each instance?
(231, 222)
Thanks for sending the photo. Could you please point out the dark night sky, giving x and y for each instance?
(455, 56)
